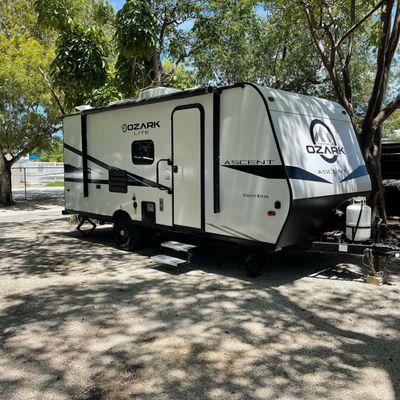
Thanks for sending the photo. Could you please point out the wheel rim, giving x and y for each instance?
(122, 234)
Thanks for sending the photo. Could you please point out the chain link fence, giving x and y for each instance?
(33, 179)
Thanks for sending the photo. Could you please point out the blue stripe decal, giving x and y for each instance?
(302, 174)
(278, 172)
(357, 173)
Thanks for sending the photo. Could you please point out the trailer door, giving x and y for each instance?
(187, 155)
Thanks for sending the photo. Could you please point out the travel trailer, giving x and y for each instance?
(241, 163)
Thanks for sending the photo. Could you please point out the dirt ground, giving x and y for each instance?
(82, 320)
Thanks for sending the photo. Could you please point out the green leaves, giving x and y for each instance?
(135, 30)
(27, 112)
(82, 47)
(104, 95)
(54, 13)
(80, 65)
(59, 14)
(229, 41)
(135, 39)
(54, 152)
(177, 77)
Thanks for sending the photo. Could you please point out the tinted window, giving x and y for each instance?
(143, 152)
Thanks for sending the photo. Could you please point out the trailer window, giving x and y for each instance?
(143, 152)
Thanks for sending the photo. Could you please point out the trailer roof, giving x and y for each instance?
(283, 101)
(295, 103)
(155, 99)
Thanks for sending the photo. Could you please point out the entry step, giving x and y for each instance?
(164, 259)
(177, 246)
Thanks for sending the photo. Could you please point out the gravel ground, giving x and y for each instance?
(42, 203)
(82, 320)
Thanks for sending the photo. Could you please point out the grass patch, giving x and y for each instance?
(55, 184)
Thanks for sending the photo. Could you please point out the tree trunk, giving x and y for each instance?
(156, 69)
(372, 156)
(5, 183)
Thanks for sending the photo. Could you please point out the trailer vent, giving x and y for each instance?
(117, 179)
(155, 92)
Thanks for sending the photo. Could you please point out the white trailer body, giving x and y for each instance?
(242, 163)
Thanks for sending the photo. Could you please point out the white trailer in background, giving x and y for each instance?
(241, 163)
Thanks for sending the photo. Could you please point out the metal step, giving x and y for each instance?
(177, 246)
(164, 259)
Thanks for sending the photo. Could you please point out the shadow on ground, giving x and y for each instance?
(98, 323)
(36, 200)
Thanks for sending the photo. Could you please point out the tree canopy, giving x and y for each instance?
(28, 115)
(72, 52)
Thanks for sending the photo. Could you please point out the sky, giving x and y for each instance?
(119, 3)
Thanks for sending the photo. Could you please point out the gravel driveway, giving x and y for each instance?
(80, 319)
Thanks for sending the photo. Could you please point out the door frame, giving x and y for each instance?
(202, 164)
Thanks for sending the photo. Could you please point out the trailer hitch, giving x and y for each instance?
(382, 249)
(371, 254)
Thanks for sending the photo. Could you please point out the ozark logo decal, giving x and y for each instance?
(325, 143)
(140, 127)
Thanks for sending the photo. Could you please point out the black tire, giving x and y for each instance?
(254, 263)
(126, 235)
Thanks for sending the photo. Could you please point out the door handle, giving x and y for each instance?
(175, 169)
(169, 162)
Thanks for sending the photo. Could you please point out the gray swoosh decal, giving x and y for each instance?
(232, 231)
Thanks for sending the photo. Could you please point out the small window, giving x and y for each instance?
(143, 152)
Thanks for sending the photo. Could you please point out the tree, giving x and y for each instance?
(55, 151)
(135, 37)
(229, 39)
(82, 53)
(100, 59)
(237, 40)
(392, 127)
(80, 65)
(28, 116)
(147, 31)
(334, 30)
(178, 77)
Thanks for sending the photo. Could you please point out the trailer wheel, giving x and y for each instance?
(126, 235)
(254, 263)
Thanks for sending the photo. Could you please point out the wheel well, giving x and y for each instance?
(121, 214)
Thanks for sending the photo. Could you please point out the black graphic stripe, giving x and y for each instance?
(144, 181)
(357, 173)
(101, 181)
(265, 171)
(134, 182)
(73, 149)
(133, 179)
(67, 179)
(278, 172)
(302, 174)
(70, 169)
(99, 163)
